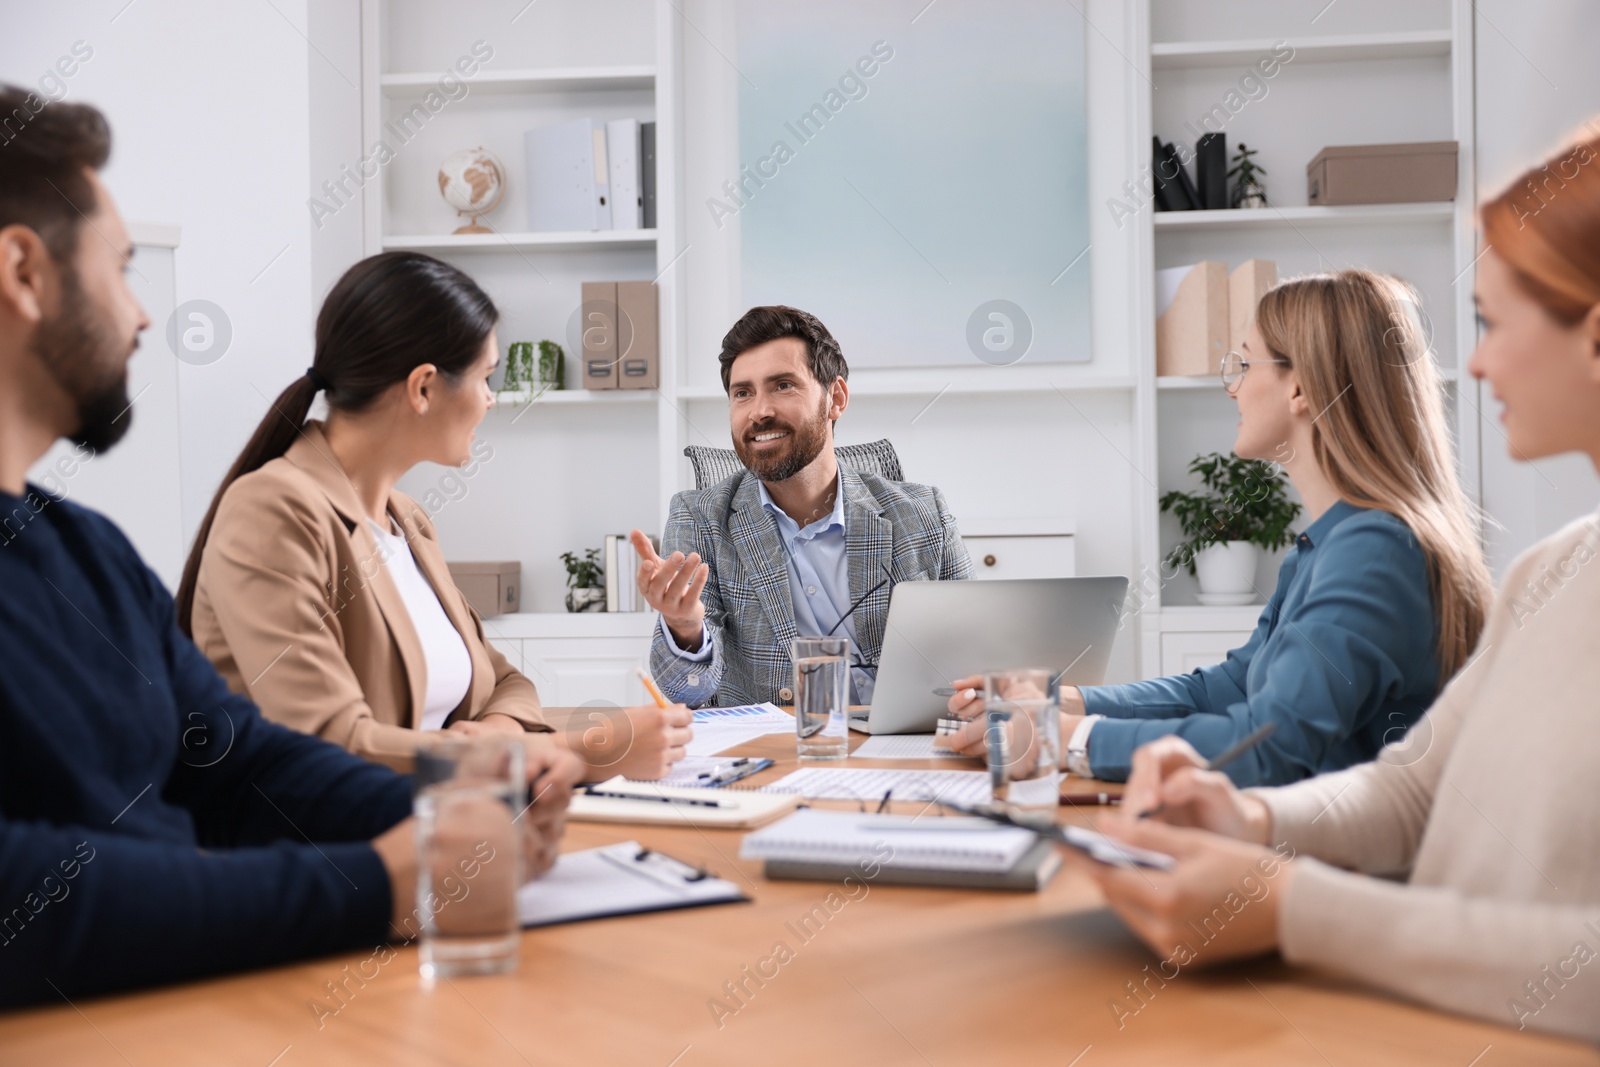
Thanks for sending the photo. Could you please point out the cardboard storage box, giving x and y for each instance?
(1246, 285)
(491, 588)
(1192, 325)
(1382, 173)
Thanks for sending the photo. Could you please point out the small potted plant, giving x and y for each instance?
(586, 581)
(552, 367)
(1248, 189)
(527, 377)
(1243, 509)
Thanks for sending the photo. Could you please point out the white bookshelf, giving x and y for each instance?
(1367, 72)
(585, 463)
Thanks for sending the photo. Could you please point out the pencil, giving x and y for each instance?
(650, 684)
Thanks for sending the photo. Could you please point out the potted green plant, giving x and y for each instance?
(1243, 509)
(586, 581)
(527, 377)
(1248, 189)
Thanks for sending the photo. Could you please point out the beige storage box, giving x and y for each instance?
(491, 588)
(1246, 286)
(1382, 173)
(1192, 325)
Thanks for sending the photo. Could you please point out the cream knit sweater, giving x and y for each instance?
(1490, 809)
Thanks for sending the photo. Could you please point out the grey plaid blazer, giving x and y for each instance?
(892, 529)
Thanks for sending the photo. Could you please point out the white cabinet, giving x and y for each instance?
(1199, 637)
(577, 659)
(1020, 548)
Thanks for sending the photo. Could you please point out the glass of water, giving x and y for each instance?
(469, 858)
(822, 697)
(1024, 738)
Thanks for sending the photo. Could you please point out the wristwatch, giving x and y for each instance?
(1078, 747)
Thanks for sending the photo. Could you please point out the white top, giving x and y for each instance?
(444, 653)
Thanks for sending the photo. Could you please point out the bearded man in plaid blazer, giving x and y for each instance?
(795, 545)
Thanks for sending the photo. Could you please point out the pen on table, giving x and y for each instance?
(740, 762)
(650, 685)
(695, 801)
(1227, 756)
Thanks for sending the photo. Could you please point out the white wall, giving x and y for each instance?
(208, 105)
(1537, 81)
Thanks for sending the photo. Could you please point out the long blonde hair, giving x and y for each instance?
(1356, 344)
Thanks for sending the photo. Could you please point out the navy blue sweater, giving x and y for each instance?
(153, 826)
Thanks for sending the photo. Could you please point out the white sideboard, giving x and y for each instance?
(577, 659)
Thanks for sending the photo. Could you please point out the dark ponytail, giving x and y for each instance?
(388, 315)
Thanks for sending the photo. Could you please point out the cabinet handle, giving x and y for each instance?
(988, 561)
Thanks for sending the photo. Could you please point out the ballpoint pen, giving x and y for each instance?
(695, 801)
(1226, 756)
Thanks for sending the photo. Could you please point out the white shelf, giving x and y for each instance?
(521, 398)
(1438, 211)
(1170, 55)
(553, 80)
(959, 381)
(556, 241)
(1199, 617)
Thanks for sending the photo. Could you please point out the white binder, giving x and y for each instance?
(568, 177)
(622, 151)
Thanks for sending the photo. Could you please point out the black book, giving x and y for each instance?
(1195, 203)
(1164, 194)
(1211, 167)
(647, 176)
(1172, 183)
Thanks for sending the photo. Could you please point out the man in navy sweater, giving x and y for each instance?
(153, 827)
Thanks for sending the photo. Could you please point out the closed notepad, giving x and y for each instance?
(925, 842)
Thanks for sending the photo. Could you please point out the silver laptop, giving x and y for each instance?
(940, 631)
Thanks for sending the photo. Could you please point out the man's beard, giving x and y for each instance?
(86, 359)
(804, 444)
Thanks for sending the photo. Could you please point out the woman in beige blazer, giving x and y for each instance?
(321, 591)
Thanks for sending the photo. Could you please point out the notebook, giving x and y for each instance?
(927, 842)
(651, 802)
(621, 879)
(870, 784)
(1031, 873)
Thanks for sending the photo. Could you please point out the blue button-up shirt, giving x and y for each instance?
(1343, 660)
(819, 585)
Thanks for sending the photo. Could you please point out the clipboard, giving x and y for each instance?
(620, 879)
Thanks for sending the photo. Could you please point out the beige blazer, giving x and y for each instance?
(296, 609)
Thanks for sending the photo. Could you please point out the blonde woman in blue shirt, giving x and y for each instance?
(1383, 595)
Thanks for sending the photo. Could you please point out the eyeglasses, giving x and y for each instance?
(1233, 367)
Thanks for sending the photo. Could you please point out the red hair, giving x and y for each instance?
(1546, 227)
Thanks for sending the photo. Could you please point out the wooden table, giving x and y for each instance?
(899, 975)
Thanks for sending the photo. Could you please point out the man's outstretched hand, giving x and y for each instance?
(673, 586)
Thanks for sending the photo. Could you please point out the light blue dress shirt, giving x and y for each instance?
(819, 586)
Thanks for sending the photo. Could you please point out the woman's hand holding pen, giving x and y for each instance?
(673, 586)
(1176, 912)
(640, 743)
(1168, 773)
